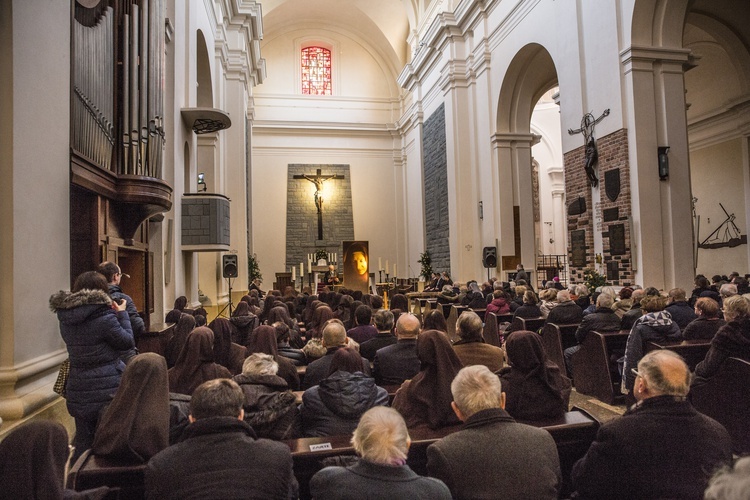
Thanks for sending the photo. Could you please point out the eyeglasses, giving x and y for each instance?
(635, 372)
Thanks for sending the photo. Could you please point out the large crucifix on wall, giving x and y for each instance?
(318, 180)
(588, 122)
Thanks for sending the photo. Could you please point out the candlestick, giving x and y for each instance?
(301, 269)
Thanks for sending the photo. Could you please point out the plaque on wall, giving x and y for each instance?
(611, 214)
(612, 183)
(617, 239)
(578, 248)
(577, 206)
(613, 270)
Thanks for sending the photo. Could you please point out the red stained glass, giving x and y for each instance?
(316, 71)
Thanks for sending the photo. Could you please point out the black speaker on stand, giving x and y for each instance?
(489, 259)
(229, 271)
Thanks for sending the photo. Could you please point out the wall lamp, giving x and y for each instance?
(663, 163)
(201, 182)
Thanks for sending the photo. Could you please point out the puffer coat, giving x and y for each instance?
(333, 407)
(96, 337)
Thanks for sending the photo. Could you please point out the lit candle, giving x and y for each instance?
(380, 264)
(387, 268)
(301, 269)
(294, 273)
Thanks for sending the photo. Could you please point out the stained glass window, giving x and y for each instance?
(316, 71)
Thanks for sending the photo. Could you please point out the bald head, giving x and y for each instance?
(334, 333)
(664, 373)
(407, 326)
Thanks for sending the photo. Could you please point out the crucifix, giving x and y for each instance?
(588, 122)
(318, 180)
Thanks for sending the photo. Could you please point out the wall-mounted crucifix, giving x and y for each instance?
(318, 180)
(588, 123)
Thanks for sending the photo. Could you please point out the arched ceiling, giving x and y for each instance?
(384, 24)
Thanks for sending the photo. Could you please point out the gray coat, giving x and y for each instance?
(495, 457)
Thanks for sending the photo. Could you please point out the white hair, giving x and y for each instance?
(260, 364)
(476, 388)
(381, 436)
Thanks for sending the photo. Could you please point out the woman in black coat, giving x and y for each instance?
(98, 336)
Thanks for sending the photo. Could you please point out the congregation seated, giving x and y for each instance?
(516, 300)
(296, 356)
(635, 312)
(471, 348)
(382, 441)
(383, 320)
(682, 313)
(474, 298)
(435, 320)
(603, 319)
(180, 303)
(398, 362)
(566, 312)
(281, 313)
(425, 400)
(270, 406)
(244, 322)
(500, 303)
(173, 316)
(32, 464)
(548, 301)
(314, 349)
(707, 322)
(583, 298)
(263, 341)
(655, 324)
(364, 331)
(399, 301)
(334, 338)
(219, 455)
(661, 448)
(185, 325)
(535, 388)
(493, 456)
(529, 308)
(447, 295)
(333, 407)
(135, 425)
(731, 340)
(195, 364)
(227, 353)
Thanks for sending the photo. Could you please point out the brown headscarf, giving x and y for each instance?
(426, 399)
(180, 303)
(263, 340)
(32, 461)
(226, 352)
(196, 363)
(242, 309)
(135, 425)
(535, 388)
(182, 329)
(173, 316)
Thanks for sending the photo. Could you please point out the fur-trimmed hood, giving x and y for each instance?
(77, 307)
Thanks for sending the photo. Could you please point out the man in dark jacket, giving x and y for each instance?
(399, 362)
(661, 448)
(566, 312)
(334, 337)
(364, 331)
(603, 319)
(113, 274)
(384, 323)
(635, 312)
(679, 309)
(493, 456)
(219, 455)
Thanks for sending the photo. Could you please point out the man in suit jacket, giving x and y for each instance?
(384, 323)
(399, 361)
(662, 447)
(493, 456)
(334, 337)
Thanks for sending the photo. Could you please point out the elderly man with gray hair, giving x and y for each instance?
(382, 441)
(662, 447)
(493, 456)
(334, 337)
(566, 312)
(603, 319)
(471, 348)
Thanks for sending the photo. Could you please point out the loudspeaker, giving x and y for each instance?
(489, 257)
(229, 265)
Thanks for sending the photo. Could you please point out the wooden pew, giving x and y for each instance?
(573, 435)
(492, 324)
(726, 399)
(692, 351)
(455, 312)
(530, 324)
(91, 471)
(480, 312)
(557, 338)
(155, 339)
(429, 305)
(594, 373)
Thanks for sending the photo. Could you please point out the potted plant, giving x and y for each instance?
(253, 269)
(593, 279)
(426, 261)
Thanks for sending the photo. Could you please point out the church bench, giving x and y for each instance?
(725, 398)
(692, 351)
(455, 312)
(493, 324)
(557, 338)
(91, 471)
(595, 372)
(529, 324)
(155, 339)
(480, 312)
(573, 434)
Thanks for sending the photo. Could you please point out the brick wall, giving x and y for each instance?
(302, 216)
(436, 190)
(613, 155)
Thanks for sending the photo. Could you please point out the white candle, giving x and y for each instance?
(387, 268)
(380, 264)
(335, 257)
(394, 271)
(294, 273)
(301, 269)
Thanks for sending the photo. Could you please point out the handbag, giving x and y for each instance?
(62, 378)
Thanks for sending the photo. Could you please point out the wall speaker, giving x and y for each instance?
(489, 257)
(229, 265)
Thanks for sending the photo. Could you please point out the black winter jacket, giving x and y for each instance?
(136, 322)
(270, 407)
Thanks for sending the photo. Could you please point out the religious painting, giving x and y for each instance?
(356, 265)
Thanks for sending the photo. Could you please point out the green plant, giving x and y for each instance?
(321, 254)
(593, 279)
(426, 260)
(253, 269)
